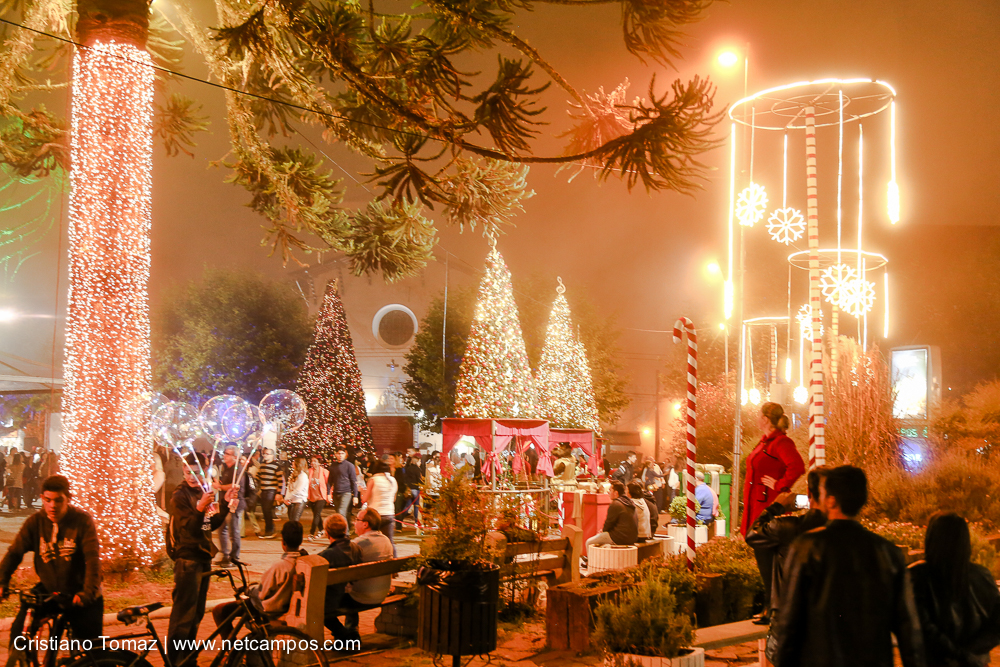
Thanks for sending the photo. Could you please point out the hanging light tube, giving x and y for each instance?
(893, 186)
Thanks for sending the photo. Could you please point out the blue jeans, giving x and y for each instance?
(230, 532)
(389, 530)
(295, 511)
(341, 503)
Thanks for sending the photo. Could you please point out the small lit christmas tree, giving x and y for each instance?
(330, 384)
(495, 379)
(565, 386)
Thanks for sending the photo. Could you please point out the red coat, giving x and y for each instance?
(774, 456)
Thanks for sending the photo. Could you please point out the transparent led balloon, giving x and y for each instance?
(284, 407)
(175, 422)
(213, 415)
(239, 420)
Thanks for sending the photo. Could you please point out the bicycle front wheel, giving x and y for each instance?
(282, 646)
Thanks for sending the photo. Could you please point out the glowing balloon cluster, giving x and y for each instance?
(284, 408)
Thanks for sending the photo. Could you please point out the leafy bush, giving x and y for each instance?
(671, 571)
(741, 581)
(967, 484)
(463, 518)
(984, 553)
(899, 532)
(645, 620)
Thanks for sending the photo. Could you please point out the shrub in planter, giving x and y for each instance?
(643, 621)
(742, 587)
(459, 580)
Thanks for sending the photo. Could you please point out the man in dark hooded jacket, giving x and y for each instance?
(620, 525)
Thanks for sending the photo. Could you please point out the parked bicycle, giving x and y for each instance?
(44, 628)
(262, 643)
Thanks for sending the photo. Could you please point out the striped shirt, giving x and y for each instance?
(270, 477)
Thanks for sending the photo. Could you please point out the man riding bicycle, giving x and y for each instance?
(67, 560)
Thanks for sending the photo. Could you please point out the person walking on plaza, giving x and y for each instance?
(298, 489)
(15, 481)
(272, 482)
(847, 590)
(318, 497)
(67, 560)
(957, 600)
(342, 481)
(252, 465)
(380, 495)
(194, 516)
(620, 524)
(773, 467)
(624, 472)
(229, 534)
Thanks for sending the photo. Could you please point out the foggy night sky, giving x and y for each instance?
(641, 255)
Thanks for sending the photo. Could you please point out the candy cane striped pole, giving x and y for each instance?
(684, 325)
(817, 439)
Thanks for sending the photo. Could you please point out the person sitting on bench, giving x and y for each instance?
(365, 593)
(275, 589)
(341, 552)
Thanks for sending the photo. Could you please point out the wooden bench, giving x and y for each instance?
(558, 559)
(557, 563)
(312, 576)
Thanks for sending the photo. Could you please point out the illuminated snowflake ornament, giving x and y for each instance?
(858, 297)
(834, 281)
(786, 225)
(804, 318)
(751, 205)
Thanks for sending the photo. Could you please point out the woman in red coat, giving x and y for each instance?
(772, 468)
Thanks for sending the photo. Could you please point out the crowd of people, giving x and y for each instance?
(837, 593)
(21, 473)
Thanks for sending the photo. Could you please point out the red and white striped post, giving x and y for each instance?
(817, 439)
(684, 325)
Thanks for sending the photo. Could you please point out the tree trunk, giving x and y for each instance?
(107, 450)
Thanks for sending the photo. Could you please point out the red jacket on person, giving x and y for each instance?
(774, 456)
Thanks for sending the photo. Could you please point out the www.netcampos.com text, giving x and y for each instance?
(141, 644)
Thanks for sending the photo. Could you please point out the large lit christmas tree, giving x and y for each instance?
(330, 384)
(565, 386)
(495, 379)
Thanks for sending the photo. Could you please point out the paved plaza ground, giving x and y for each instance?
(522, 644)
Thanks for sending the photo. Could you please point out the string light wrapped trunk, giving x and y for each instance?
(817, 443)
(682, 326)
(107, 448)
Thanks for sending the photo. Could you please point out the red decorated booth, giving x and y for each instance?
(585, 439)
(496, 435)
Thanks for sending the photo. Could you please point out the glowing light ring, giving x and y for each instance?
(833, 282)
(858, 297)
(783, 107)
(751, 205)
(832, 256)
(786, 225)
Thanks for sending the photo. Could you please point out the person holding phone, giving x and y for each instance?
(773, 467)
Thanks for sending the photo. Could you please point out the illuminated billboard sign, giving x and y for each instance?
(916, 381)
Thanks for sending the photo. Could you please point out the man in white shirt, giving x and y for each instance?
(366, 593)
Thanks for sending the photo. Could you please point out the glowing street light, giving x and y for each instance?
(8, 315)
(713, 268)
(728, 58)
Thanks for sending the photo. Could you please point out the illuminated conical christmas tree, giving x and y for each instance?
(565, 386)
(495, 379)
(330, 384)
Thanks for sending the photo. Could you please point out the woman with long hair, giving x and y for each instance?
(957, 600)
(298, 490)
(318, 497)
(380, 495)
(773, 467)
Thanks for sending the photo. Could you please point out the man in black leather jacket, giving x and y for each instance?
(847, 590)
(775, 529)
